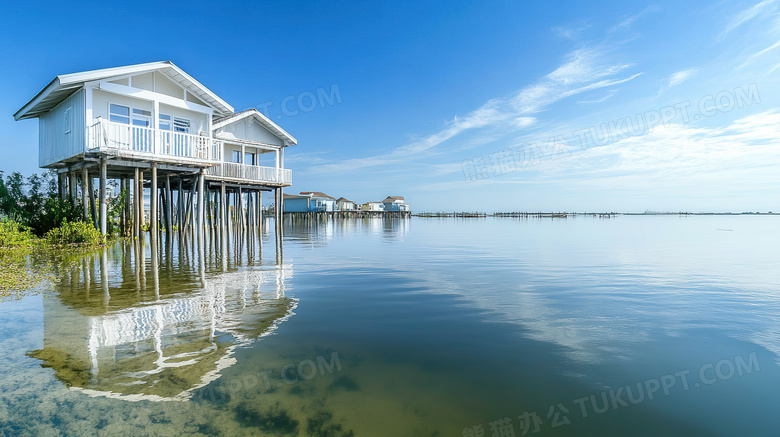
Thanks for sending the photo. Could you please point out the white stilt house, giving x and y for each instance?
(143, 121)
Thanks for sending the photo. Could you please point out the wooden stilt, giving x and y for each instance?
(122, 223)
(201, 206)
(141, 218)
(61, 185)
(168, 205)
(179, 205)
(85, 194)
(153, 197)
(136, 208)
(127, 209)
(93, 202)
(103, 217)
(72, 187)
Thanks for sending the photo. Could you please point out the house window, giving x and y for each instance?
(119, 113)
(237, 156)
(126, 115)
(164, 122)
(142, 117)
(250, 158)
(181, 125)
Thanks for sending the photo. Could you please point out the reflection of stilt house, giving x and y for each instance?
(116, 338)
(153, 125)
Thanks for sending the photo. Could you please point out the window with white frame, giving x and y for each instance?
(181, 125)
(119, 113)
(164, 122)
(142, 117)
(237, 156)
(127, 115)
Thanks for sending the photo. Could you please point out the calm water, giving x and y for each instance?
(421, 327)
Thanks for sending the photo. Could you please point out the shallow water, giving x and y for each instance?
(648, 325)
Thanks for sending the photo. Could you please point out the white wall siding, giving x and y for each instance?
(62, 131)
(248, 129)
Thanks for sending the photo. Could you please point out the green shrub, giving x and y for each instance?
(12, 234)
(74, 233)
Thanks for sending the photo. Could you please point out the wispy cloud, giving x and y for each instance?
(628, 22)
(680, 155)
(759, 54)
(610, 93)
(571, 31)
(681, 76)
(748, 14)
(583, 70)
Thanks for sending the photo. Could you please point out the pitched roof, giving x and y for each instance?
(343, 199)
(317, 194)
(260, 118)
(62, 86)
(391, 199)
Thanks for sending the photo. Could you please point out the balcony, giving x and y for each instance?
(140, 142)
(251, 173)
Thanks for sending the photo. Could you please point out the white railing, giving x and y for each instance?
(108, 135)
(251, 172)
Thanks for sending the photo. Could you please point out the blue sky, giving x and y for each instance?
(490, 106)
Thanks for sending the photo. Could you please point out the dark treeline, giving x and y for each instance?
(33, 201)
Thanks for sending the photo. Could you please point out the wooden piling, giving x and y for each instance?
(85, 193)
(103, 177)
(153, 197)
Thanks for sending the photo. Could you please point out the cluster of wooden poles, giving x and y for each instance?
(184, 201)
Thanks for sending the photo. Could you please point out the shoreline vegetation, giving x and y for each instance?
(39, 233)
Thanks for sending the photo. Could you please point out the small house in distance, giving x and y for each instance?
(395, 203)
(372, 206)
(309, 201)
(343, 204)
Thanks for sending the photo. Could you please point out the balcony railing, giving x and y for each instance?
(107, 135)
(253, 173)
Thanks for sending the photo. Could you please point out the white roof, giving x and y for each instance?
(64, 85)
(260, 118)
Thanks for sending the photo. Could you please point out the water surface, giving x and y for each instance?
(417, 327)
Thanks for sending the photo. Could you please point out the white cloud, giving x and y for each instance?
(748, 14)
(760, 53)
(746, 151)
(583, 70)
(680, 77)
(610, 93)
(571, 32)
(628, 22)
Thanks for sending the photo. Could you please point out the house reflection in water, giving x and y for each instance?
(109, 331)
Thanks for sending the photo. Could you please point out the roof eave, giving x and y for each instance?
(63, 80)
(22, 113)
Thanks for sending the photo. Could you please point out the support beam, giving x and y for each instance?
(260, 210)
(179, 205)
(201, 205)
(128, 206)
(93, 203)
(122, 221)
(222, 210)
(62, 182)
(153, 198)
(168, 205)
(136, 208)
(141, 202)
(72, 187)
(103, 218)
(85, 193)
